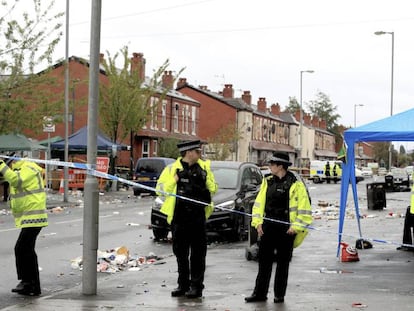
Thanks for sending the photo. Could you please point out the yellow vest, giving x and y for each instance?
(27, 193)
(300, 210)
(167, 184)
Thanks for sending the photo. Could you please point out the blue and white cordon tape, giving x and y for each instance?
(90, 169)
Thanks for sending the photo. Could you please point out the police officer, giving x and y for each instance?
(284, 202)
(28, 204)
(188, 177)
(328, 172)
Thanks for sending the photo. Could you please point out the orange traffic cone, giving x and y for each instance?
(348, 253)
(61, 188)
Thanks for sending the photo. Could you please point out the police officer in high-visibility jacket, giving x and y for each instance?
(284, 203)
(28, 205)
(188, 177)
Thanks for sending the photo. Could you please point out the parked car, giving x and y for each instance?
(382, 171)
(366, 171)
(397, 180)
(147, 171)
(238, 185)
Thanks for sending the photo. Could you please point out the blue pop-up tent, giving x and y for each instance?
(399, 127)
(78, 142)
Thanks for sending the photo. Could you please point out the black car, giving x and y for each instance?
(397, 180)
(238, 185)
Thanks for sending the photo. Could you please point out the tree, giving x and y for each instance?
(293, 105)
(323, 108)
(25, 43)
(125, 104)
(223, 143)
(167, 147)
(127, 101)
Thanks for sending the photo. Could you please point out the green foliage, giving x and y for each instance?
(27, 40)
(293, 105)
(167, 147)
(223, 143)
(323, 108)
(125, 101)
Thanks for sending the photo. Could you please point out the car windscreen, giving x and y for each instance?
(150, 166)
(226, 178)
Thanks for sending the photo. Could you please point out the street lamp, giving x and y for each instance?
(356, 105)
(301, 121)
(379, 33)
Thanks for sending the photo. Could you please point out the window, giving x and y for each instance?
(145, 148)
(164, 115)
(176, 108)
(193, 120)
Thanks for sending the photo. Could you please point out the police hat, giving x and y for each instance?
(189, 145)
(280, 157)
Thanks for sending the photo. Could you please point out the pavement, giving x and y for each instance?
(382, 279)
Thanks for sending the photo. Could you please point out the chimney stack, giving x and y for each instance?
(247, 97)
(315, 121)
(138, 65)
(228, 91)
(275, 109)
(168, 80)
(181, 82)
(261, 104)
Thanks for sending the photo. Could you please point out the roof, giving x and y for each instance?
(236, 103)
(79, 142)
(18, 142)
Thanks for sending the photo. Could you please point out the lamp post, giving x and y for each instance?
(379, 33)
(301, 121)
(356, 105)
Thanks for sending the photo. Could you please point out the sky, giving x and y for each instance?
(263, 45)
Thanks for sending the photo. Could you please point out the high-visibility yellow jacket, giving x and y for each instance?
(412, 200)
(167, 184)
(27, 193)
(300, 210)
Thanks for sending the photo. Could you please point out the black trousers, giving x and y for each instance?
(274, 239)
(190, 249)
(26, 259)
(408, 227)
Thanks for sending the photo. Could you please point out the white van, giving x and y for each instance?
(317, 171)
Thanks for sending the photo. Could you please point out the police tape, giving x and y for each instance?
(90, 170)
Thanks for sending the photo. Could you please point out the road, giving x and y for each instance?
(123, 221)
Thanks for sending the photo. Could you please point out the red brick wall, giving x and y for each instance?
(213, 113)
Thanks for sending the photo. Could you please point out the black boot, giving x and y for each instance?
(194, 293)
(255, 298)
(178, 292)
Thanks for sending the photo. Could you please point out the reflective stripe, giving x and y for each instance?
(36, 212)
(257, 215)
(304, 212)
(19, 182)
(25, 193)
(34, 221)
(38, 175)
(256, 205)
(301, 221)
(293, 209)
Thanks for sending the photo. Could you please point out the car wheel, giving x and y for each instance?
(316, 180)
(137, 192)
(160, 233)
(239, 232)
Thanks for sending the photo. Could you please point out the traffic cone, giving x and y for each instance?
(61, 188)
(348, 253)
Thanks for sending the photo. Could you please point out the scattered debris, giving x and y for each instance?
(118, 259)
(359, 305)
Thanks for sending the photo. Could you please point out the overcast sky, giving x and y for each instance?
(263, 45)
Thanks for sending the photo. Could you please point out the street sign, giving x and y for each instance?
(48, 125)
